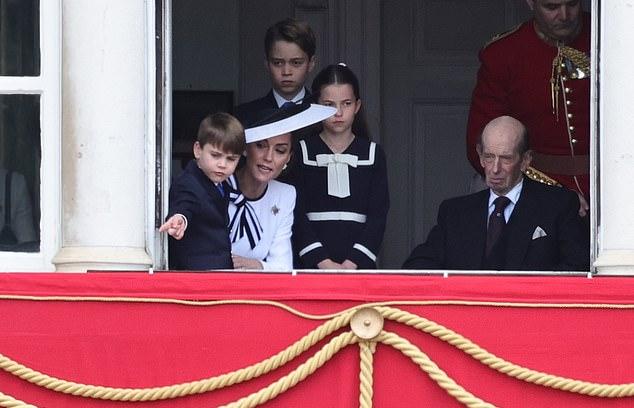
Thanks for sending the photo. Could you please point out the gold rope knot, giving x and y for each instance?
(366, 323)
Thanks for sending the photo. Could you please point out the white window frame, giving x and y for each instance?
(594, 135)
(48, 86)
(156, 242)
(160, 246)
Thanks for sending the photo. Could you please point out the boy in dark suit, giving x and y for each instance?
(198, 217)
(289, 47)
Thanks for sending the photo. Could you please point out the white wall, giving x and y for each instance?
(103, 135)
(616, 147)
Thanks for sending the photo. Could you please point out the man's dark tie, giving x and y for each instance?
(221, 189)
(287, 105)
(496, 223)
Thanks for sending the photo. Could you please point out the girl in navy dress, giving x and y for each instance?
(341, 182)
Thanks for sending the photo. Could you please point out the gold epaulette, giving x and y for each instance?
(536, 175)
(580, 62)
(502, 35)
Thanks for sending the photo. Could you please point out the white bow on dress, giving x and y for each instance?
(338, 177)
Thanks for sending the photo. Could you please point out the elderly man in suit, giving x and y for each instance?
(515, 224)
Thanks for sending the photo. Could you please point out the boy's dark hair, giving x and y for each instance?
(291, 30)
(340, 74)
(222, 130)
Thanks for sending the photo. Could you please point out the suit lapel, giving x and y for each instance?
(209, 187)
(476, 235)
(308, 97)
(270, 100)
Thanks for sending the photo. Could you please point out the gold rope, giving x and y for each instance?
(7, 401)
(503, 366)
(297, 375)
(323, 355)
(366, 383)
(434, 372)
(310, 316)
(123, 299)
(178, 390)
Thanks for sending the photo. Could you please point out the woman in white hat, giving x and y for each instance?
(261, 208)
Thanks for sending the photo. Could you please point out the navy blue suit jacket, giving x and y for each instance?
(205, 244)
(247, 112)
(458, 240)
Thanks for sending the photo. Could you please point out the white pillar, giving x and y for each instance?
(104, 131)
(616, 139)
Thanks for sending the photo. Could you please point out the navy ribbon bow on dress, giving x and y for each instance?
(245, 218)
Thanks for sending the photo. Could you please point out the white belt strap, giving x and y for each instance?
(309, 248)
(365, 251)
(336, 216)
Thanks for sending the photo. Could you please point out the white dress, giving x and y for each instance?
(261, 229)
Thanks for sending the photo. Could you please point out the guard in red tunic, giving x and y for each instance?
(538, 73)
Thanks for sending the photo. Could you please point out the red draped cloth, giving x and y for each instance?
(69, 326)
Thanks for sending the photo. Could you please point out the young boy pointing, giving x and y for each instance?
(197, 219)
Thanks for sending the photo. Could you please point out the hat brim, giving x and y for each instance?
(306, 117)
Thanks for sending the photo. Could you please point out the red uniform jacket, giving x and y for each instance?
(514, 79)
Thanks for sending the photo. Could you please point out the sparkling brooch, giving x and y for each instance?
(275, 210)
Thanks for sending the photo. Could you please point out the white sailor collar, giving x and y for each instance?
(338, 165)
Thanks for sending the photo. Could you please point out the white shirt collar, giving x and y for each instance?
(512, 195)
(297, 98)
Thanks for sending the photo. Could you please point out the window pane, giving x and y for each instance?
(20, 156)
(19, 37)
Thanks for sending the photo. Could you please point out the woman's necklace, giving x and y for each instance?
(336, 145)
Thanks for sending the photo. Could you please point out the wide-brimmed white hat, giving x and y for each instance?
(277, 122)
